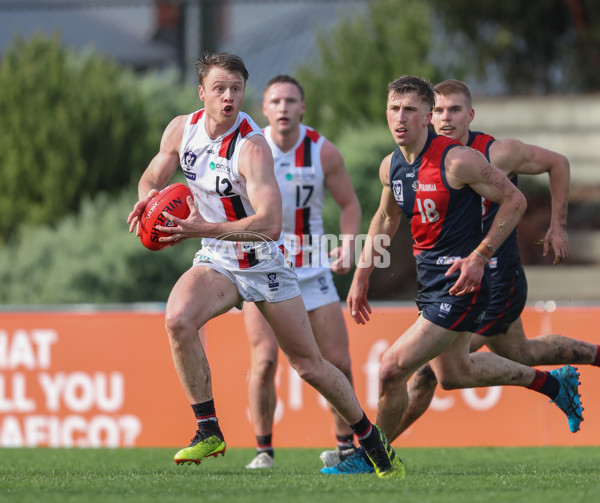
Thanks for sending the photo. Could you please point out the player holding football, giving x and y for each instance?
(438, 184)
(501, 329)
(307, 165)
(236, 212)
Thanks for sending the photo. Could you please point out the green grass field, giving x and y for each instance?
(547, 474)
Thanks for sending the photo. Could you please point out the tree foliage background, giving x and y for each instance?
(72, 125)
(346, 85)
(532, 47)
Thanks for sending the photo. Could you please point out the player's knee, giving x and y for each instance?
(177, 324)
(458, 375)
(307, 369)
(452, 380)
(391, 371)
(425, 377)
(264, 369)
(343, 363)
(449, 383)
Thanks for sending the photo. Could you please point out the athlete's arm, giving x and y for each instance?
(160, 170)
(465, 166)
(384, 225)
(514, 157)
(256, 165)
(339, 185)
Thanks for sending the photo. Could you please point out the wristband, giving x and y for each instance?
(486, 250)
(482, 256)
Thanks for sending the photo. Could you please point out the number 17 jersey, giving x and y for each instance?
(301, 180)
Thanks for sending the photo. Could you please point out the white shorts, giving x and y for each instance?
(319, 290)
(273, 279)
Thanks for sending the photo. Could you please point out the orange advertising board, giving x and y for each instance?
(106, 379)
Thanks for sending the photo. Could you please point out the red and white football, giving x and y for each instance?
(171, 199)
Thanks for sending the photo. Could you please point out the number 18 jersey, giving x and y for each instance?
(445, 223)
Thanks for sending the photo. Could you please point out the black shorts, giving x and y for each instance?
(509, 295)
(461, 313)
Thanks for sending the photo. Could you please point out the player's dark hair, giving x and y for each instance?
(225, 60)
(453, 86)
(411, 84)
(285, 79)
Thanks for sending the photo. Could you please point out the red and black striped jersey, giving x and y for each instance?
(445, 223)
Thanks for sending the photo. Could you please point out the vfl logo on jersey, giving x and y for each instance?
(445, 309)
(272, 280)
(189, 159)
(398, 194)
(323, 284)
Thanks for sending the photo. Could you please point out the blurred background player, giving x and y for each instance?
(237, 212)
(307, 165)
(501, 329)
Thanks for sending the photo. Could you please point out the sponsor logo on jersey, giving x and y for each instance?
(217, 166)
(410, 175)
(415, 185)
(398, 194)
(210, 151)
(202, 258)
(427, 187)
(301, 176)
(446, 260)
(272, 280)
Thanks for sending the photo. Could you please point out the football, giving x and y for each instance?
(171, 199)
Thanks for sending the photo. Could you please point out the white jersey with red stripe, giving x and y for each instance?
(211, 169)
(301, 180)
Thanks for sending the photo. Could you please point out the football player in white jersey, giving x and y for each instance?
(236, 211)
(307, 165)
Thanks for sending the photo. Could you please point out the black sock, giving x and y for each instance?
(363, 428)
(344, 441)
(546, 383)
(264, 443)
(206, 416)
(370, 441)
